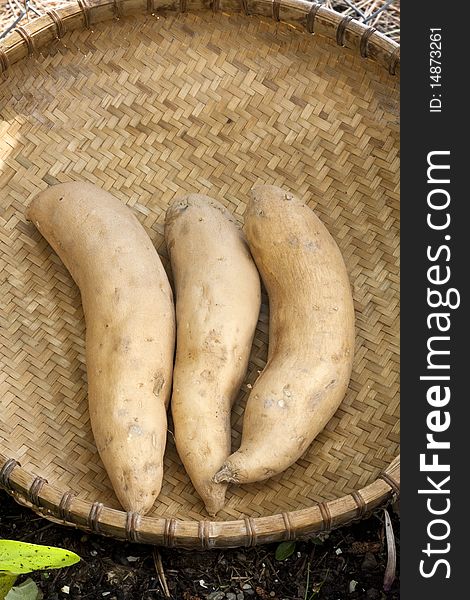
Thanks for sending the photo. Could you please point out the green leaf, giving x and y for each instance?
(318, 541)
(28, 590)
(284, 550)
(21, 557)
(7, 581)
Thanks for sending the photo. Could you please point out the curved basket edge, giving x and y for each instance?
(66, 508)
(26, 40)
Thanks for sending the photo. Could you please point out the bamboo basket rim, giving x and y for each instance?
(66, 507)
(349, 33)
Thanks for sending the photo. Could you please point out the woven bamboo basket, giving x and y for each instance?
(149, 99)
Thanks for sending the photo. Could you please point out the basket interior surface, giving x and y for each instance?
(150, 107)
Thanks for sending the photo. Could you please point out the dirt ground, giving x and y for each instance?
(346, 564)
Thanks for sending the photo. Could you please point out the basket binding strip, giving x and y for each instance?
(309, 500)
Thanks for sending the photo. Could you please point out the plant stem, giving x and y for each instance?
(308, 581)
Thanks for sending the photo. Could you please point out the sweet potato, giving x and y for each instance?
(218, 297)
(130, 330)
(311, 336)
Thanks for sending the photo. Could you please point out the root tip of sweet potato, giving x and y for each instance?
(225, 475)
(215, 502)
(212, 510)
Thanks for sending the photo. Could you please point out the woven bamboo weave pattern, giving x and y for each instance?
(150, 107)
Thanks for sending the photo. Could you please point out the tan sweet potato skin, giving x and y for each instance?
(218, 298)
(130, 330)
(311, 336)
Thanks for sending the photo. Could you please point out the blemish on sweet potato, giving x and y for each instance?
(159, 382)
